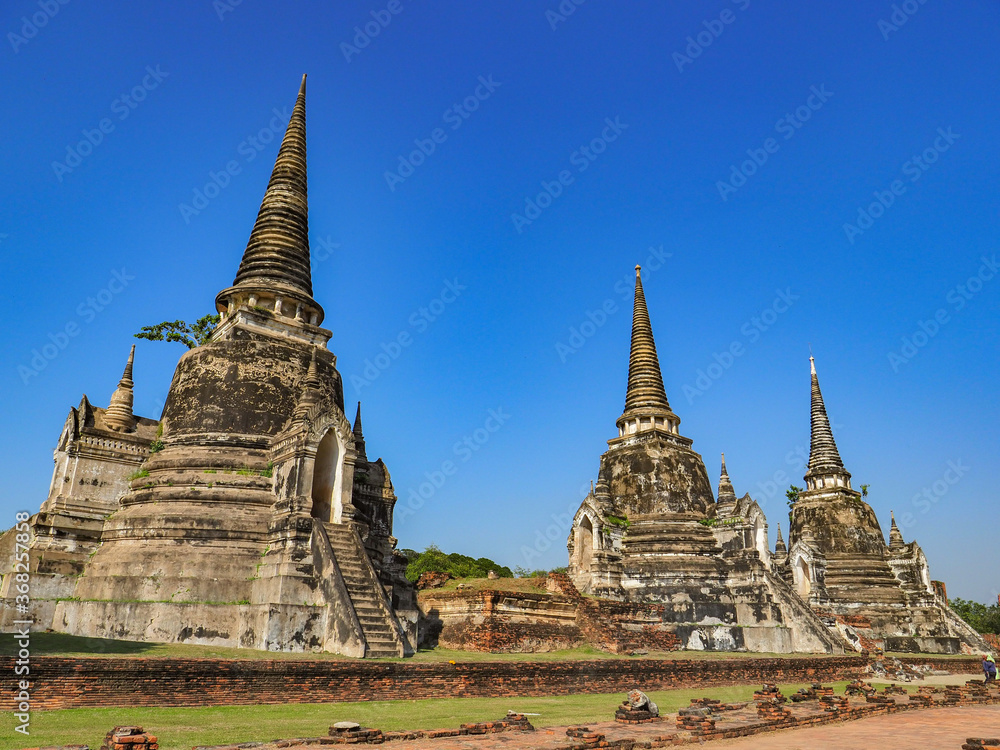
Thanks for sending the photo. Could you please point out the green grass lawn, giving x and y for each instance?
(181, 728)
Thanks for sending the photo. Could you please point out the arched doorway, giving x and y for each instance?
(325, 477)
(803, 584)
(584, 544)
(760, 540)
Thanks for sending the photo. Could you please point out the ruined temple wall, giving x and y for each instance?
(233, 625)
(647, 475)
(527, 622)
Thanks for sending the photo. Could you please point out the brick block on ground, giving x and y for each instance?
(129, 738)
(696, 720)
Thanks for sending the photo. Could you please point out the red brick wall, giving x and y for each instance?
(72, 683)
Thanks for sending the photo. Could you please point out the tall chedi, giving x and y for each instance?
(645, 533)
(839, 562)
(245, 527)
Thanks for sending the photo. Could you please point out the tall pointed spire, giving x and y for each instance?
(273, 285)
(779, 545)
(311, 386)
(896, 541)
(119, 416)
(278, 250)
(646, 405)
(726, 491)
(825, 465)
(359, 436)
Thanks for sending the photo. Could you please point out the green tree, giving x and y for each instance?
(196, 334)
(793, 495)
(982, 618)
(460, 566)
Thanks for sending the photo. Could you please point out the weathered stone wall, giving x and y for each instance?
(112, 682)
(533, 622)
(650, 475)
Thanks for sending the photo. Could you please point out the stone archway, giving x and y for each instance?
(760, 540)
(584, 544)
(803, 582)
(325, 471)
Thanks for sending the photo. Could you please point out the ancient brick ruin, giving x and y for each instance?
(249, 514)
(652, 531)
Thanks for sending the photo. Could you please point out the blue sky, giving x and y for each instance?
(738, 166)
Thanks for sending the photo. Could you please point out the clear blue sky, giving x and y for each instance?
(684, 117)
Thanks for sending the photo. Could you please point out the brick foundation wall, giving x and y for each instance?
(530, 622)
(955, 665)
(109, 682)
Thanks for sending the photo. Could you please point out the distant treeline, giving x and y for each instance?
(983, 618)
(460, 566)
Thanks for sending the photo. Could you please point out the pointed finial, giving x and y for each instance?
(645, 395)
(127, 375)
(312, 380)
(638, 270)
(726, 491)
(119, 416)
(278, 249)
(779, 544)
(357, 420)
(824, 458)
(276, 262)
(895, 535)
(359, 437)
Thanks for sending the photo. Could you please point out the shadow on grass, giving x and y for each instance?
(45, 644)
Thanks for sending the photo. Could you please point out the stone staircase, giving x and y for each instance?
(378, 623)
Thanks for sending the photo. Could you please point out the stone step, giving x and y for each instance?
(378, 629)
